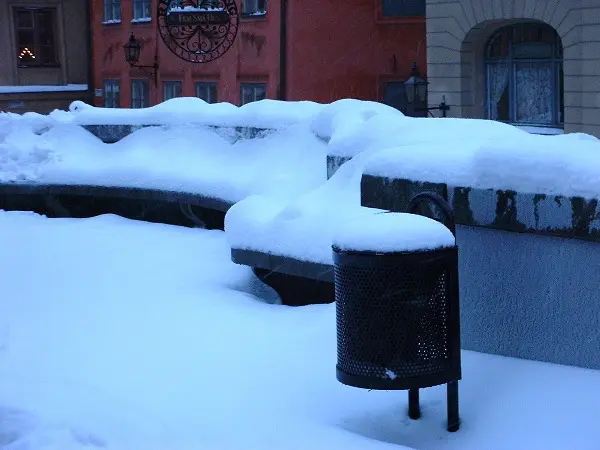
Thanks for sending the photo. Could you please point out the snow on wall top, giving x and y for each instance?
(563, 165)
(464, 152)
(474, 153)
(268, 114)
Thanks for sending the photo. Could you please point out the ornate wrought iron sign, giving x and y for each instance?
(198, 31)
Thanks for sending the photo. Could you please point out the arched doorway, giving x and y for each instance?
(524, 75)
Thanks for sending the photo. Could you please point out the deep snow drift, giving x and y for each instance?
(124, 335)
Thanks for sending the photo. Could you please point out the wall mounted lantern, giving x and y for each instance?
(132, 56)
(416, 94)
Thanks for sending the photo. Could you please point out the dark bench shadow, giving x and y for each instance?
(298, 283)
(82, 201)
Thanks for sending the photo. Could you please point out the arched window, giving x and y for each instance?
(524, 75)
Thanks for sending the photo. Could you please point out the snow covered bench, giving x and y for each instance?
(528, 233)
(288, 243)
(194, 160)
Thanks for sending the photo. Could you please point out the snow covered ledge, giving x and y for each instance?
(247, 121)
(525, 209)
(529, 183)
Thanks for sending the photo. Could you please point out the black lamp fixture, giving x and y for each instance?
(132, 56)
(416, 94)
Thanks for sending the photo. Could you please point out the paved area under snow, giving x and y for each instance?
(125, 335)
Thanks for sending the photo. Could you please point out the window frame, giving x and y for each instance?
(254, 86)
(556, 61)
(254, 11)
(144, 99)
(381, 5)
(386, 82)
(172, 84)
(35, 30)
(116, 13)
(211, 87)
(141, 4)
(116, 98)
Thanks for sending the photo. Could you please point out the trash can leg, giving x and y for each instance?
(414, 411)
(453, 416)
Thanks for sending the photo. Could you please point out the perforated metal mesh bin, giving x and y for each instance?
(398, 323)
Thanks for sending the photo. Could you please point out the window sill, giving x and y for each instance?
(259, 15)
(111, 22)
(39, 66)
(400, 20)
(142, 20)
(548, 131)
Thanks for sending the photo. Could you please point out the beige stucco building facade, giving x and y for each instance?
(44, 49)
(458, 40)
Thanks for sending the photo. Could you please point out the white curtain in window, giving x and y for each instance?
(535, 86)
(498, 83)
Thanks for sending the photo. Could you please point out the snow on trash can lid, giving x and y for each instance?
(392, 232)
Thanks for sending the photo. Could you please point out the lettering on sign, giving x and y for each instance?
(198, 18)
(198, 31)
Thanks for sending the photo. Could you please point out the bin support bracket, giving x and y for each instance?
(453, 417)
(414, 410)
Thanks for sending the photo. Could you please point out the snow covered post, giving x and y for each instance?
(396, 292)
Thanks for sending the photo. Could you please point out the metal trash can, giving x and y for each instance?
(398, 324)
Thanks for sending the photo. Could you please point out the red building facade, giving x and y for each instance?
(320, 50)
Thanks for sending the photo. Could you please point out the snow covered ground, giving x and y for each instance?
(125, 335)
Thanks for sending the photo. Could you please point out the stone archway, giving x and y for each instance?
(458, 30)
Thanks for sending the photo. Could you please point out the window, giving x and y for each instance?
(394, 95)
(207, 91)
(524, 76)
(34, 29)
(139, 93)
(112, 11)
(254, 7)
(252, 92)
(141, 11)
(112, 97)
(171, 89)
(401, 8)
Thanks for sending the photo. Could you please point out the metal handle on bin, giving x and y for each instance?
(440, 202)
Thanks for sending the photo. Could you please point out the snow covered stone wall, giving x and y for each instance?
(530, 296)
(528, 271)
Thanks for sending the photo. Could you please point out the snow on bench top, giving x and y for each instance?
(302, 228)
(261, 114)
(392, 232)
(181, 158)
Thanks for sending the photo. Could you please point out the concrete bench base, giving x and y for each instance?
(298, 283)
(174, 208)
(297, 291)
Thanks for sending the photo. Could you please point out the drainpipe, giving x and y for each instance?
(90, 51)
(283, 51)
